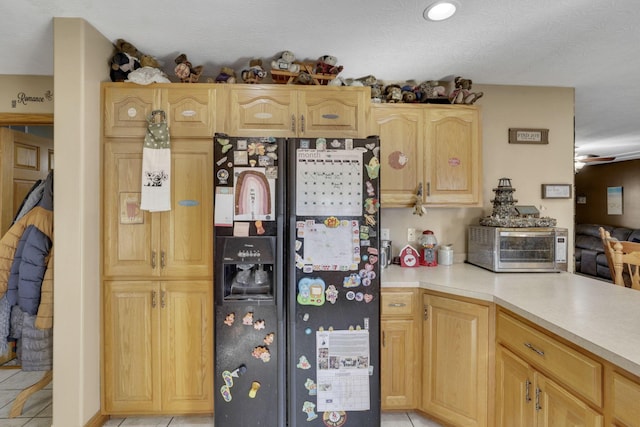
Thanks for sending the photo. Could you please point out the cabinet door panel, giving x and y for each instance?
(626, 398)
(127, 108)
(326, 112)
(187, 346)
(131, 361)
(453, 137)
(514, 390)
(557, 407)
(191, 111)
(401, 136)
(186, 241)
(259, 111)
(128, 232)
(456, 361)
(398, 373)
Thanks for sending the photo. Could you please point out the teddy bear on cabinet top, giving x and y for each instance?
(124, 60)
(462, 93)
(327, 65)
(255, 73)
(285, 62)
(186, 71)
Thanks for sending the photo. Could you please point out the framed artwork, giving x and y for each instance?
(528, 136)
(556, 191)
(614, 200)
(130, 212)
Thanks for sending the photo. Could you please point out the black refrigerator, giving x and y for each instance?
(297, 281)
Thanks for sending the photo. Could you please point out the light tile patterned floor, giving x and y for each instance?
(37, 410)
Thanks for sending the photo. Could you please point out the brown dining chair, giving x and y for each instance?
(621, 255)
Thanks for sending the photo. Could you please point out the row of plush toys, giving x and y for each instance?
(129, 64)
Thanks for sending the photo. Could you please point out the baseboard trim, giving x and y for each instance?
(97, 420)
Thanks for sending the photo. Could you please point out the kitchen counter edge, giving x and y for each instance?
(595, 315)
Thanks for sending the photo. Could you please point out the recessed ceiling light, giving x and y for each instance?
(441, 10)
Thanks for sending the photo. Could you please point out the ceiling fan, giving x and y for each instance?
(588, 158)
(583, 160)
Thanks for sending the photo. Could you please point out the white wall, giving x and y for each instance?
(528, 166)
(79, 67)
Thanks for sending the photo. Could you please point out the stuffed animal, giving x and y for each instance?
(227, 75)
(285, 62)
(124, 60)
(327, 65)
(185, 71)
(393, 93)
(149, 61)
(303, 78)
(255, 73)
(432, 89)
(462, 93)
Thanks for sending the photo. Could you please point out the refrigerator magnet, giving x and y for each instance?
(226, 393)
(332, 294)
(229, 319)
(311, 386)
(303, 363)
(262, 353)
(309, 408)
(311, 291)
(334, 418)
(240, 158)
(255, 386)
(268, 339)
(248, 319)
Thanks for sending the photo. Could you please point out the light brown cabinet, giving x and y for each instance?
(286, 111)
(434, 147)
(455, 360)
(175, 243)
(157, 288)
(157, 347)
(190, 109)
(543, 382)
(625, 395)
(399, 352)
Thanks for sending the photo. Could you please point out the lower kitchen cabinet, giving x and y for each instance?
(528, 398)
(542, 382)
(455, 360)
(625, 400)
(158, 347)
(399, 352)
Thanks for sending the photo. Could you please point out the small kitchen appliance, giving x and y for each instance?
(428, 243)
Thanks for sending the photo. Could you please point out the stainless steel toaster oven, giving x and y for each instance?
(502, 249)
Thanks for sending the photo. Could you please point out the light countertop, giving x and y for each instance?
(598, 316)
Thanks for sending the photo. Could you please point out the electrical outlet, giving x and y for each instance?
(411, 234)
(384, 234)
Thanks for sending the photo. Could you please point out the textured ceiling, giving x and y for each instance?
(589, 45)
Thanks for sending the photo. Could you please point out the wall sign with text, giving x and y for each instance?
(528, 136)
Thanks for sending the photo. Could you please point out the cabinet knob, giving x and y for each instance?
(293, 123)
(302, 123)
(153, 259)
(153, 299)
(162, 298)
(162, 259)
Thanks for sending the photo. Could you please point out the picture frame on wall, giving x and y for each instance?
(528, 136)
(614, 200)
(556, 191)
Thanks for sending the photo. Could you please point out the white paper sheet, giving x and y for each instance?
(342, 368)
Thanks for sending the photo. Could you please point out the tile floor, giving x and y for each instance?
(37, 411)
(388, 420)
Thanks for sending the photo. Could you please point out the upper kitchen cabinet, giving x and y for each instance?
(302, 111)
(191, 109)
(435, 148)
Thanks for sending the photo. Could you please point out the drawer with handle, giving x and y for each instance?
(571, 367)
(397, 303)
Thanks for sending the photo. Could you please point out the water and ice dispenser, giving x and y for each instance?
(247, 268)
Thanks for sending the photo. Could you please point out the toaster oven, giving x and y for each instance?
(502, 249)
